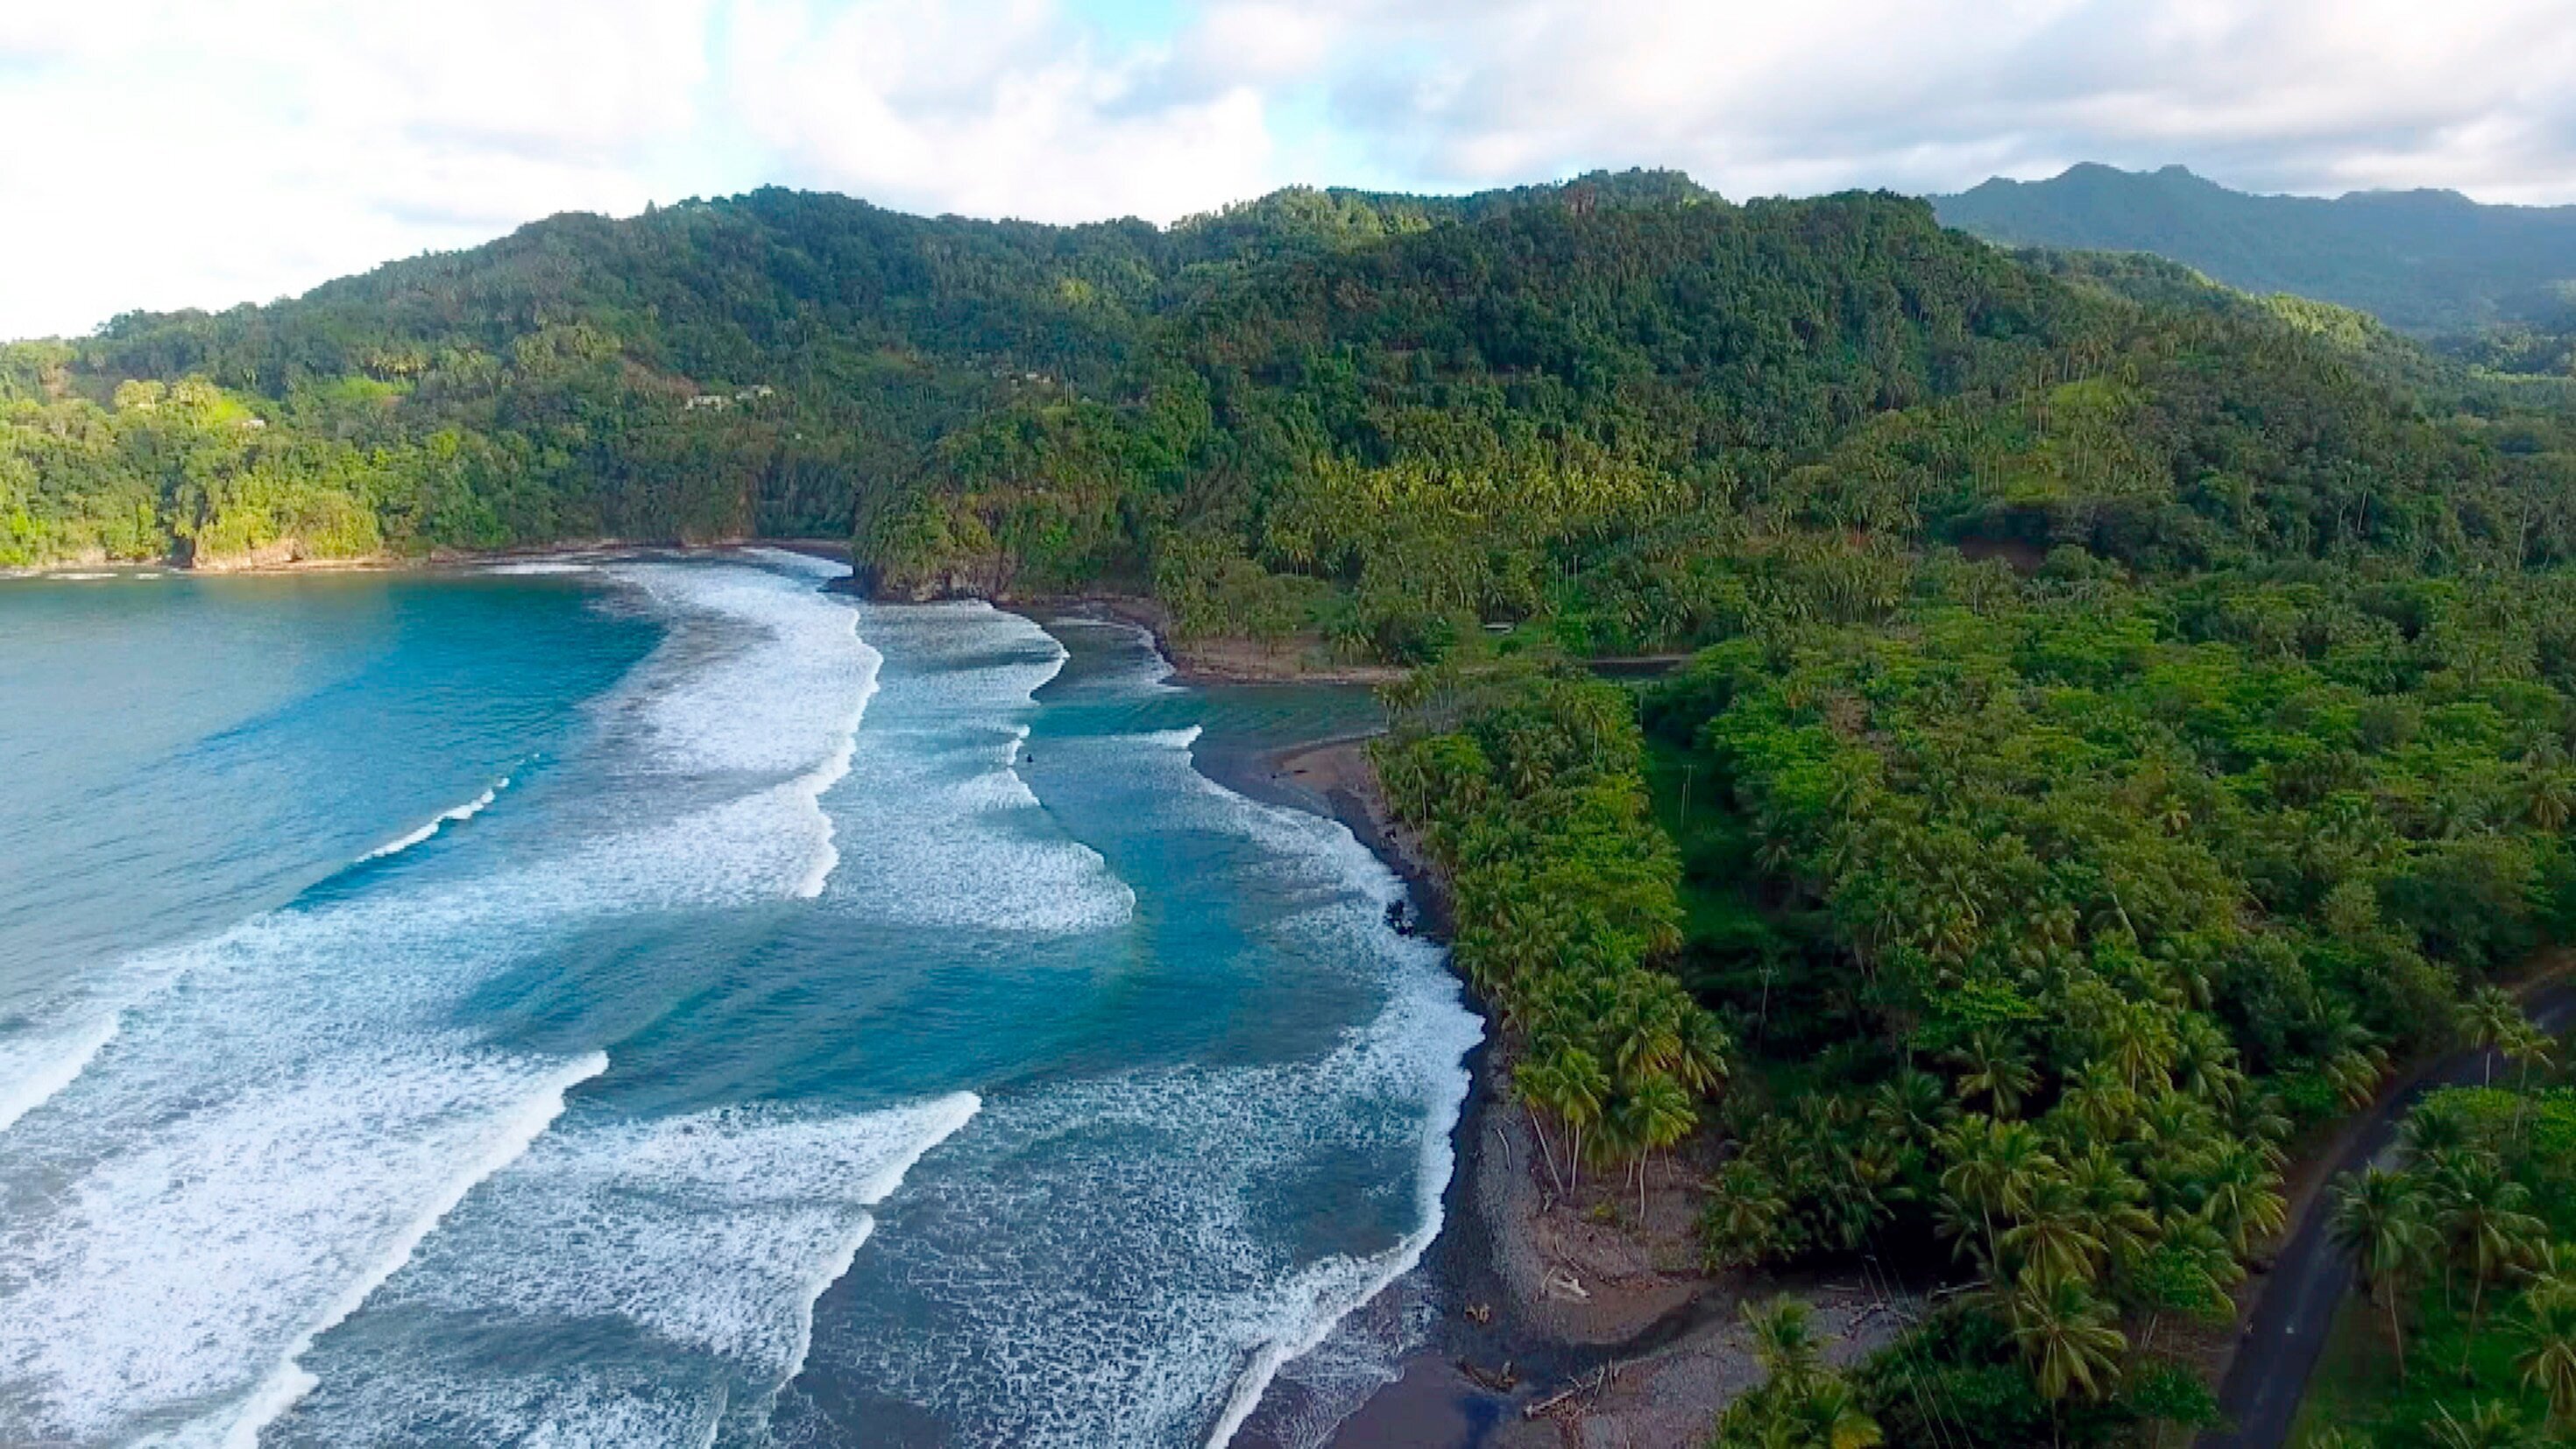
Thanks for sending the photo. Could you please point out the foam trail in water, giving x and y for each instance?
(952, 835)
(509, 1137)
(1134, 1259)
(1422, 1039)
(710, 1235)
(791, 703)
(1319, 1299)
(31, 1073)
(292, 1099)
(457, 816)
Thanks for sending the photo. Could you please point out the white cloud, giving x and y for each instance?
(167, 153)
(991, 107)
(1756, 98)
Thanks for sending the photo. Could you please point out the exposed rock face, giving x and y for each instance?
(275, 555)
(984, 577)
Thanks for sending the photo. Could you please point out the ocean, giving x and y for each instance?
(651, 1000)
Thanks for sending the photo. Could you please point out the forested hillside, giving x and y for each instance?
(2427, 262)
(762, 364)
(1401, 416)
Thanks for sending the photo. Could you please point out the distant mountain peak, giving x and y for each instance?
(2427, 261)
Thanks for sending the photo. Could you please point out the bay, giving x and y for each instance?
(652, 1000)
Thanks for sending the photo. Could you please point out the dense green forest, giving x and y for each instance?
(779, 364)
(2432, 263)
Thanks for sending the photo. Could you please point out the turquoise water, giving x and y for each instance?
(637, 1002)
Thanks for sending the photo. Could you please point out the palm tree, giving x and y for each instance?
(1784, 1340)
(2432, 1132)
(2067, 1336)
(1657, 1114)
(2142, 1043)
(1706, 1053)
(1992, 1166)
(1646, 1029)
(1583, 1096)
(2101, 1099)
(2491, 1424)
(1995, 1067)
(1831, 1417)
(2490, 1017)
(1537, 1083)
(1908, 1108)
(2379, 1219)
(2549, 1363)
(1741, 1223)
(2052, 1237)
(2552, 799)
(2529, 1047)
(2239, 1198)
(2354, 1061)
(2109, 1196)
(2204, 1063)
(2488, 1231)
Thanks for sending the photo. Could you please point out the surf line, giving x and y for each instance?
(814, 784)
(56, 1070)
(1337, 1286)
(457, 816)
(289, 1381)
(938, 1121)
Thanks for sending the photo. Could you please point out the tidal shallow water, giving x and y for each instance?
(653, 1001)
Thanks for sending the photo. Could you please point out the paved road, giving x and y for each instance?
(2288, 1330)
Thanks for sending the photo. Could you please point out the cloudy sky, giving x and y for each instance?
(170, 153)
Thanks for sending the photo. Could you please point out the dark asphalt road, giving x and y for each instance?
(2288, 1331)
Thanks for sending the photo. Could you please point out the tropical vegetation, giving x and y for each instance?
(2466, 1251)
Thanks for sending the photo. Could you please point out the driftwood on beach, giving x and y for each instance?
(1576, 1395)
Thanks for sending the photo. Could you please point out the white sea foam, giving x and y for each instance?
(33, 1070)
(1422, 1038)
(805, 565)
(457, 816)
(776, 687)
(289, 1112)
(507, 1138)
(539, 567)
(1165, 1178)
(711, 1234)
(1128, 1259)
(952, 836)
(781, 689)
(171, 1272)
(1308, 1309)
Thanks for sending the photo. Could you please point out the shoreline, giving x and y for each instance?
(1193, 661)
(445, 558)
(1209, 661)
(1635, 1353)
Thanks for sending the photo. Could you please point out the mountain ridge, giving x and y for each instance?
(2429, 262)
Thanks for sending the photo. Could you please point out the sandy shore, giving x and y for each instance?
(1298, 660)
(1606, 1326)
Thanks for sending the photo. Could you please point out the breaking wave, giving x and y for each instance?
(457, 816)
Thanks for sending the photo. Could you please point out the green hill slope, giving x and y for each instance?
(1402, 414)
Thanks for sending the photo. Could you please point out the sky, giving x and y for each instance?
(203, 153)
